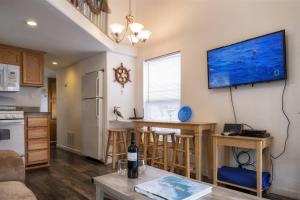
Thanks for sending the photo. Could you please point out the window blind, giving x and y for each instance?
(162, 80)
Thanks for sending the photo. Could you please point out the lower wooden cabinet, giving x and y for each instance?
(37, 140)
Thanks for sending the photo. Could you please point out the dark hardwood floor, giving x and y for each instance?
(69, 177)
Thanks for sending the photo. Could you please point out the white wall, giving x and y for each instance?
(193, 27)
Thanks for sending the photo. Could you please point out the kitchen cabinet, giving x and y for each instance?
(32, 68)
(37, 140)
(30, 61)
(9, 55)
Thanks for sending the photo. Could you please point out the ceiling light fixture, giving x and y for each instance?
(54, 63)
(137, 34)
(31, 23)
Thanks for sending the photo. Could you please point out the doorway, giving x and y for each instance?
(52, 108)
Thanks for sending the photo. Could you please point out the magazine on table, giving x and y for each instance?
(173, 188)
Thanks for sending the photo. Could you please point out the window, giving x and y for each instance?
(162, 87)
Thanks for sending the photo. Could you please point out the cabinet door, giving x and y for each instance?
(9, 55)
(32, 69)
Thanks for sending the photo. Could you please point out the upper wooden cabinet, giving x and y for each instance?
(9, 55)
(32, 68)
(30, 61)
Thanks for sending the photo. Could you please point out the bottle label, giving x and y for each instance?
(132, 156)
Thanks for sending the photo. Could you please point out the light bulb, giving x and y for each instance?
(136, 28)
(144, 35)
(116, 28)
(133, 39)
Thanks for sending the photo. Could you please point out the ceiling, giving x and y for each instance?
(62, 40)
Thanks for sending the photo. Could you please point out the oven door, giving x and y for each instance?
(12, 136)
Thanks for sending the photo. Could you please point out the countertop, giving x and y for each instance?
(36, 113)
(31, 110)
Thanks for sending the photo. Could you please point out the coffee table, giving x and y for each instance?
(121, 188)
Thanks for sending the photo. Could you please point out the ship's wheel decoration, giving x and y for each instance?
(122, 75)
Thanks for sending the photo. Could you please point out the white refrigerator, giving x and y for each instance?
(92, 116)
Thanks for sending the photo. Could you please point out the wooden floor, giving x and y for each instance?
(69, 177)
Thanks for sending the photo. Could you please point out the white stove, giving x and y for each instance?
(11, 126)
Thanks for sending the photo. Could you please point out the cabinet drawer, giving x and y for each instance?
(34, 133)
(38, 121)
(37, 156)
(37, 144)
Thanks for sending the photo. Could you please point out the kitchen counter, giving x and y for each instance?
(31, 110)
(36, 113)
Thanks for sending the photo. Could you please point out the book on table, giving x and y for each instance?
(173, 188)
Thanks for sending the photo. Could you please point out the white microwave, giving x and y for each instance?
(9, 78)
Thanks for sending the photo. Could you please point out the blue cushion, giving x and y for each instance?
(242, 177)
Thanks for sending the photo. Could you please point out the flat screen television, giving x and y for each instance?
(256, 60)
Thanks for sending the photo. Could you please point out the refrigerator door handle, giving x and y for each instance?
(97, 87)
(97, 108)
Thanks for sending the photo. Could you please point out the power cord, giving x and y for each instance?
(237, 156)
(287, 132)
(232, 104)
(288, 126)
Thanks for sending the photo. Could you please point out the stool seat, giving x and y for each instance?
(185, 136)
(164, 132)
(117, 130)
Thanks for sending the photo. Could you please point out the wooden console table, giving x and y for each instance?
(259, 144)
(119, 187)
(197, 129)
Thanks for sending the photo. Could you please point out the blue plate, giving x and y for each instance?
(185, 113)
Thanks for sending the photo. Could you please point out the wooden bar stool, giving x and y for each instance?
(164, 147)
(185, 153)
(116, 138)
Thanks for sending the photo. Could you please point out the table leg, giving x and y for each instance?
(259, 168)
(198, 152)
(215, 160)
(99, 192)
(268, 162)
(210, 152)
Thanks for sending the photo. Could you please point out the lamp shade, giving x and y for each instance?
(133, 39)
(144, 35)
(116, 28)
(136, 27)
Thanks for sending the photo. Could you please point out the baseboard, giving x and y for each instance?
(60, 146)
(285, 192)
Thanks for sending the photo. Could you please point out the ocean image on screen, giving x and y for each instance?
(257, 60)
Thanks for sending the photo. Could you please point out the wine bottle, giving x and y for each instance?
(132, 157)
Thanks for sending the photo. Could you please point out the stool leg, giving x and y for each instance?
(125, 143)
(154, 150)
(165, 152)
(145, 146)
(107, 146)
(187, 158)
(114, 152)
(174, 155)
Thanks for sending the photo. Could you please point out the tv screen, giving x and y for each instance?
(260, 59)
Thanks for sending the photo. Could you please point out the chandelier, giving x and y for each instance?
(137, 33)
